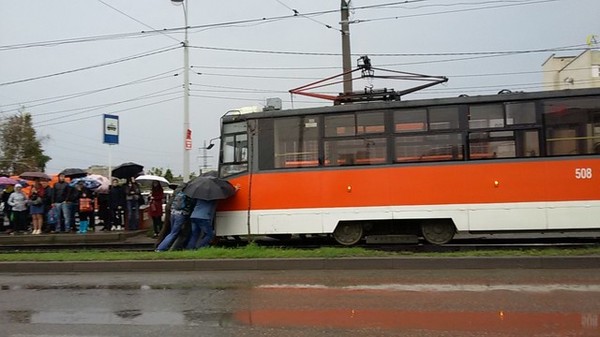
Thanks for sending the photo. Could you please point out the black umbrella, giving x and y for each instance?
(34, 176)
(209, 188)
(74, 173)
(127, 170)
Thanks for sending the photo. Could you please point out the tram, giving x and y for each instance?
(505, 163)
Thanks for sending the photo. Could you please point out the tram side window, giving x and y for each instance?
(486, 116)
(572, 126)
(370, 122)
(340, 125)
(436, 147)
(364, 151)
(413, 120)
(520, 113)
(504, 144)
(296, 142)
(498, 144)
(443, 118)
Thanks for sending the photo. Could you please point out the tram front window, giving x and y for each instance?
(234, 152)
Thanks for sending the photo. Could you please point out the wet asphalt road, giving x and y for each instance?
(302, 303)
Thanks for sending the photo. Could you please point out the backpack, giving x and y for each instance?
(85, 205)
(181, 202)
(52, 216)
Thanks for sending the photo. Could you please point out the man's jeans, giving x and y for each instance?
(64, 209)
(177, 221)
(202, 233)
(133, 214)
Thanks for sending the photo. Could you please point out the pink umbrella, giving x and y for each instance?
(5, 181)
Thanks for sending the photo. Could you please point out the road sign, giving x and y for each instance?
(111, 129)
(188, 139)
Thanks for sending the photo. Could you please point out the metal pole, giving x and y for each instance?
(346, 61)
(186, 97)
(110, 163)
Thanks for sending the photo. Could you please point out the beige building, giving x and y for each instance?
(572, 72)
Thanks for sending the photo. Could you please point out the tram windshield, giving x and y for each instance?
(234, 149)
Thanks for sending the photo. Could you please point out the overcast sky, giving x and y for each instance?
(69, 62)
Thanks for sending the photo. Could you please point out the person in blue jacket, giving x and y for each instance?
(202, 224)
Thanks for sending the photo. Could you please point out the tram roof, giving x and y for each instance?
(381, 105)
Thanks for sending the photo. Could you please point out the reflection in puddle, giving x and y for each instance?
(121, 317)
(19, 316)
(380, 307)
(557, 324)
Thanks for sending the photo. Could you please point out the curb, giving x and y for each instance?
(415, 263)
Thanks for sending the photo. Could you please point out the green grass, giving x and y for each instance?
(257, 252)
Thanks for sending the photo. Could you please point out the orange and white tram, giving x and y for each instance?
(500, 163)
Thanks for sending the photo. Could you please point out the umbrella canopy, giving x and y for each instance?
(24, 183)
(5, 181)
(209, 188)
(35, 176)
(148, 178)
(73, 173)
(127, 170)
(104, 182)
(91, 184)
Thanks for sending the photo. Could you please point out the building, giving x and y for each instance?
(572, 72)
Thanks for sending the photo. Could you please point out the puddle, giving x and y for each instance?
(121, 317)
(519, 323)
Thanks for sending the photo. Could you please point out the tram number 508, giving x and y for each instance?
(583, 173)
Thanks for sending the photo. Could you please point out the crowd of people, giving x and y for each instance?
(71, 207)
(55, 209)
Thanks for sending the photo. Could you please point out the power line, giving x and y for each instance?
(125, 59)
(55, 99)
(96, 107)
(260, 76)
(297, 13)
(178, 29)
(136, 20)
(454, 11)
(43, 124)
(479, 53)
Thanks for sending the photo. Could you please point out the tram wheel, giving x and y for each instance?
(438, 232)
(348, 233)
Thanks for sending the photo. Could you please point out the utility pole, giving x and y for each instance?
(346, 60)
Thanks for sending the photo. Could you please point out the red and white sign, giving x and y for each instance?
(188, 139)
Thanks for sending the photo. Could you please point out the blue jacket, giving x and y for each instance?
(204, 209)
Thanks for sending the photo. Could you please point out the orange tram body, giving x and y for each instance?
(432, 168)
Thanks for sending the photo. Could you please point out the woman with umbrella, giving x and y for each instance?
(155, 210)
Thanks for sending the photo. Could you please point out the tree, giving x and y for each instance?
(156, 171)
(21, 150)
(169, 175)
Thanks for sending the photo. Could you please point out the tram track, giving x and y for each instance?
(463, 245)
